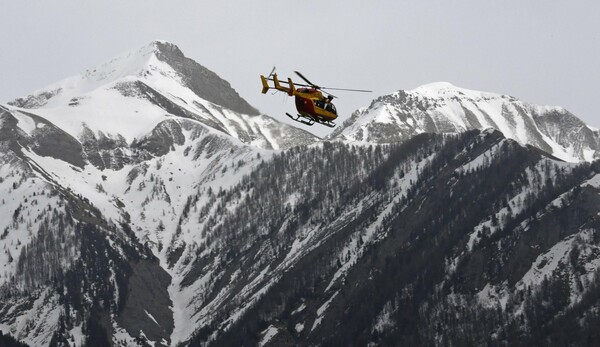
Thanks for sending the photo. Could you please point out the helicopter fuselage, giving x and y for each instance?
(311, 103)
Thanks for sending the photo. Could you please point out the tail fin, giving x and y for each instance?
(289, 90)
(292, 88)
(264, 84)
(277, 85)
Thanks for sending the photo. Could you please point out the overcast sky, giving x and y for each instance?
(545, 52)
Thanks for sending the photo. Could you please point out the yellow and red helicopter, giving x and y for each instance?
(312, 105)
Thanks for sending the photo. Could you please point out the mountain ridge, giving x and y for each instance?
(445, 108)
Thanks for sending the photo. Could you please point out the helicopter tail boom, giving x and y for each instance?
(291, 90)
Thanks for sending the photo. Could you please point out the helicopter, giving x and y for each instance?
(312, 102)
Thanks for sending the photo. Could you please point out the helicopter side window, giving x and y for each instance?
(320, 103)
(330, 107)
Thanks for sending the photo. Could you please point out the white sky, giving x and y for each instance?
(545, 52)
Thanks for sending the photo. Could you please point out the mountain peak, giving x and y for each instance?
(134, 62)
(446, 90)
(130, 95)
(166, 50)
(151, 62)
(436, 86)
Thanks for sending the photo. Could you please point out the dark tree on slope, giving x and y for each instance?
(9, 341)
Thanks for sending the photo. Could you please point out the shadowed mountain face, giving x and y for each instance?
(205, 83)
(143, 202)
(44, 138)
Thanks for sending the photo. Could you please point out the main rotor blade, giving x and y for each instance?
(349, 90)
(333, 96)
(306, 79)
(286, 82)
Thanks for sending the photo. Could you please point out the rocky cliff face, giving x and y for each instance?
(203, 82)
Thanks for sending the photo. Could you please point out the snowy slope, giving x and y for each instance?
(149, 195)
(444, 108)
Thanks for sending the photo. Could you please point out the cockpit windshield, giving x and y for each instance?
(327, 106)
(330, 107)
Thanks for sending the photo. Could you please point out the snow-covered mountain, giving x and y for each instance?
(144, 202)
(444, 108)
(123, 144)
(127, 97)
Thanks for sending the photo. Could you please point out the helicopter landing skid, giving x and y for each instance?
(310, 121)
(299, 119)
